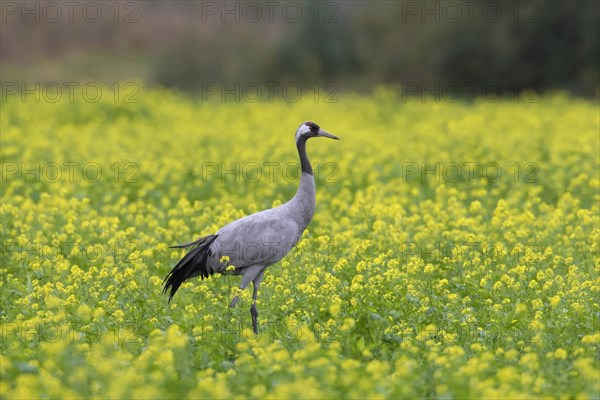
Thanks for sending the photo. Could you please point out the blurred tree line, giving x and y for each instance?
(419, 45)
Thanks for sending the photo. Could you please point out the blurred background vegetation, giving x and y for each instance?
(512, 45)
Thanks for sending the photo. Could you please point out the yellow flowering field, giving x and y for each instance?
(453, 252)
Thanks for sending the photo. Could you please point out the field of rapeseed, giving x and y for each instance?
(453, 253)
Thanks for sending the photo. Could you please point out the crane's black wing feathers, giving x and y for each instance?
(190, 244)
(192, 264)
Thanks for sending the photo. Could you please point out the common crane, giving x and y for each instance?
(256, 241)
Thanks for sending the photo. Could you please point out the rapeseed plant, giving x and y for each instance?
(455, 253)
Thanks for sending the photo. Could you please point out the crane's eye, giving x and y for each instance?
(313, 126)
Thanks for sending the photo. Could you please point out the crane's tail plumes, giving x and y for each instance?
(192, 264)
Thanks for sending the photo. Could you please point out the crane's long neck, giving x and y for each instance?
(304, 162)
(304, 200)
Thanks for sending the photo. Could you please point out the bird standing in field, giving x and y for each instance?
(256, 241)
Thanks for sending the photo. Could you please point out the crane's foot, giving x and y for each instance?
(234, 302)
(254, 314)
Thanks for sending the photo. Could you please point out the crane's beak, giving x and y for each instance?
(327, 135)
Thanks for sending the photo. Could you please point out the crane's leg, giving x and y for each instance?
(255, 283)
(247, 276)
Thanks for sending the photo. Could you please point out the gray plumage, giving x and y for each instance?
(256, 241)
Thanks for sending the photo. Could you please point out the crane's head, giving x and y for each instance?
(310, 129)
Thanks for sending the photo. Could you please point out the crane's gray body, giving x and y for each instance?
(267, 236)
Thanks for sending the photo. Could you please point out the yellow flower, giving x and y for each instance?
(334, 308)
(560, 354)
(348, 324)
(84, 312)
(175, 338)
(119, 315)
(591, 339)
